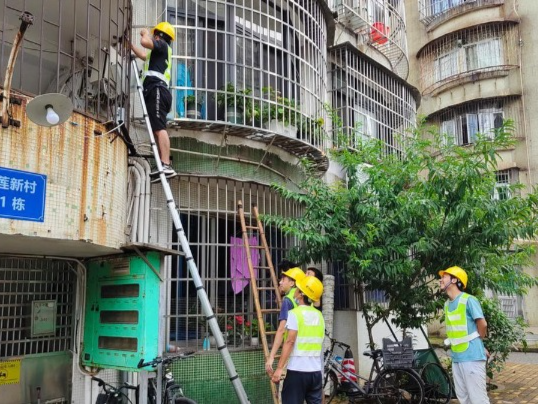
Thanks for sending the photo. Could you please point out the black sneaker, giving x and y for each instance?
(168, 171)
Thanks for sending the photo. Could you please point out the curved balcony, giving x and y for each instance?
(434, 12)
(469, 55)
(381, 25)
(254, 70)
(370, 101)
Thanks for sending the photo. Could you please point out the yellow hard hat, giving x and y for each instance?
(310, 286)
(294, 273)
(456, 272)
(167, 28)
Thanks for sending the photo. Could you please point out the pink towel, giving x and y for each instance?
(238, 262)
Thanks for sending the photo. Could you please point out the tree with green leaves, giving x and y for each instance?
(399, 218)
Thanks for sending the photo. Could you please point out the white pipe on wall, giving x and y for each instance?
(141, 200)
(135, 201)
(147, 197)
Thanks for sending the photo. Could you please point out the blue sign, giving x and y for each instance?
(22, 195)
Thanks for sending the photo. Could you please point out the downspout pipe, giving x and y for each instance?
(140, 212)
(147, 197)
(135, 177)
(27, 19)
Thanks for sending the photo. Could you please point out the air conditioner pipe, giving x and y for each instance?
(27, 19)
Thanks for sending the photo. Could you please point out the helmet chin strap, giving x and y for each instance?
(447, 286)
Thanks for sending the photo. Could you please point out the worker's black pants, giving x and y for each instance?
(302, 386)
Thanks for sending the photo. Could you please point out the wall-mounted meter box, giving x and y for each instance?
(122, 299)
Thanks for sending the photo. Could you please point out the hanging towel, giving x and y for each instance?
(183, 80)
(239, 272)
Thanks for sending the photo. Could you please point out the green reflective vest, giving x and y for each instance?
(290, 296)
(456, 325)
(310, 333)
(163, 76)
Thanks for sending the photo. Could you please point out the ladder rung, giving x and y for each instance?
(266, 288)
(257, 246)
(261, 267)
(252, 227)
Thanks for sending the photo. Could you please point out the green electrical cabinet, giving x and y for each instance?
(122, 305)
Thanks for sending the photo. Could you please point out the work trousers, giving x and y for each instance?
(470, 382)
(302, 386)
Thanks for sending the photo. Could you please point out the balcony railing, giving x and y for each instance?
(466, 55)
(435, 11)
(371, 102)
(251, 69)
(381, 25)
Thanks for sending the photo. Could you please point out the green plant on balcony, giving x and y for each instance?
(237, 104)
(282, 109)
(193, 106)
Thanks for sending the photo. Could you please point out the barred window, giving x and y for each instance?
(211, 223)
(460, 125)
(469, 57)
(24, 281)
(502, 185)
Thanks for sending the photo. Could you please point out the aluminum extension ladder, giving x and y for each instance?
(191, 265)
(263, 280)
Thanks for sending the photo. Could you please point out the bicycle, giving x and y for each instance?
(113, 395)
(390, 385)
(172, 393)
(437, 384)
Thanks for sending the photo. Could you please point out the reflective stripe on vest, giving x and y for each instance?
(456, 325)
(310, 333)
(163, 76)
(291, 296)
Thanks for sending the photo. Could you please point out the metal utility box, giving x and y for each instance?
(122, 302)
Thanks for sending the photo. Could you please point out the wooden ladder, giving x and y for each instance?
(263, 280)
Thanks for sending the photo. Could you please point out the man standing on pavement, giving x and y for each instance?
(157, 54)
(303, 347)
(466, 327)
(287, 288)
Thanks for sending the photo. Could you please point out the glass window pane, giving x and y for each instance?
(472, 128)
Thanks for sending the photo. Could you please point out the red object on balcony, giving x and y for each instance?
(379, 33)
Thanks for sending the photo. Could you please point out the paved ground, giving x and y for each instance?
(517, 383)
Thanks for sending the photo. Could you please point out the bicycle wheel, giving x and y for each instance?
(398, 386)
(174, 395)
(437, 386)
(331, 383)
(184, 400)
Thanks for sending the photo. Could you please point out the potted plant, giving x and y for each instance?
(279, 114)
(237, 104)
(234, 330)
(193, 106)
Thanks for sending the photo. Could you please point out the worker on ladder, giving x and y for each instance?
(157, 55)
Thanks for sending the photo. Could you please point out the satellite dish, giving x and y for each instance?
(49, 109)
